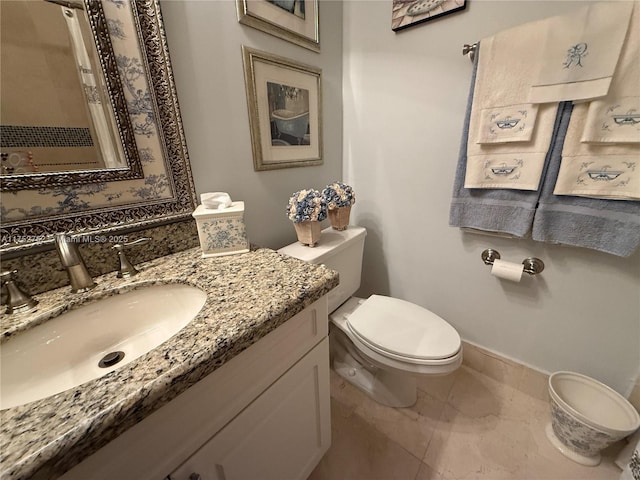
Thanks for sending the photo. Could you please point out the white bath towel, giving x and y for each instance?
(507, 61)
(580, 53)
(605, 170)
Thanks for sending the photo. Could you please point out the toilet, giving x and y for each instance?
(379, 344)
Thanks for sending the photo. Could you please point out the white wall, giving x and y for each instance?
(404, 100)
(205, 41)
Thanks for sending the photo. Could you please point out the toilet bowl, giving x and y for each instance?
(380, 344)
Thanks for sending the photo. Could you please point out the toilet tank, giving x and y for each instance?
(337, 250)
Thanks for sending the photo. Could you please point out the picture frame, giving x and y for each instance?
(284, 101)
(408, 13)
(296, 21)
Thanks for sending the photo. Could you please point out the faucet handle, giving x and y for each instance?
(140, 241)
(17, 300)
(126, 267)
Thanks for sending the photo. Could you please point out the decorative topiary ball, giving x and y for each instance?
(306, 206)
(338, 194)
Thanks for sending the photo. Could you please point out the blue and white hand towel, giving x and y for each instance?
(498, 211)
(616, 117)
(597, 170)
(508, 138)
(609, 226)
(610, 167)
(580, 53)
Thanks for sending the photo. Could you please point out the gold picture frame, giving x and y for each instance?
(284, 101)
(296, 21)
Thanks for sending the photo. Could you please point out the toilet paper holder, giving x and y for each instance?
(532, 265)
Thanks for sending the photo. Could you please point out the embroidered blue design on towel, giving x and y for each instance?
(613, 120)
(599, 176)
(575, 55)
(629, 118)
(503, 169)
(511, 123)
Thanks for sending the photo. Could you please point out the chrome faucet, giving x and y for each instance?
(72, 261)
(17, 300)
(127, 269)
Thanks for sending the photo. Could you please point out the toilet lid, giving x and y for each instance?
(403, 328)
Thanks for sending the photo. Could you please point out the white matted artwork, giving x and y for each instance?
(407, 13)
(293, 20)
(284, 100)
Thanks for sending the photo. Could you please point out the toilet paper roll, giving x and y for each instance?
(215, 200)
(507, 270)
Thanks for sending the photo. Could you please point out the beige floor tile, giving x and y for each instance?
(345, 393)
(360, 452)
(477, 395)
(410, 427)
(427, 473)
(486, 430)
(437, 386)
(486, 447)
(545, 462)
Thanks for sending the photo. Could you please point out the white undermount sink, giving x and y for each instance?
(92, 340)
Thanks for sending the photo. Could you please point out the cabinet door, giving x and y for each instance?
(282, 435)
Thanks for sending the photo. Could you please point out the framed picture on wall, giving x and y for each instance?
(284, 100)
(407, 13)
(293, 20)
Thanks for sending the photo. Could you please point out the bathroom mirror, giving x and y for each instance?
(64, 118)
(98, 206)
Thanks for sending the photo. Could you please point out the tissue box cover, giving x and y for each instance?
(222, 232)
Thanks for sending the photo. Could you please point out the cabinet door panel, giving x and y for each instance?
(282, 435)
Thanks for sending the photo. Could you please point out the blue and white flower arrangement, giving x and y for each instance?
(307, 206)
(338, 195)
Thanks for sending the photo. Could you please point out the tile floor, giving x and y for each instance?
(482, 423)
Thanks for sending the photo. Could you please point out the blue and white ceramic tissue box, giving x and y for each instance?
(222, 230)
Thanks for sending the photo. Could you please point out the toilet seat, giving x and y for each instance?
(403, 330)
(405, 363)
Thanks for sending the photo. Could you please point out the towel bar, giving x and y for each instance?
(532, 265)
(470, 50)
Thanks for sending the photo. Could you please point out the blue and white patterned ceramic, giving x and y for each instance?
(587, 430)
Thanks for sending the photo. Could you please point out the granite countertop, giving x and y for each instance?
(248, 296)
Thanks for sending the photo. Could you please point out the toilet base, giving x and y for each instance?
(388, 388)
(567, 452)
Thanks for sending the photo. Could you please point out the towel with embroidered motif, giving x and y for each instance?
(616, 117)
(581, 51)
(508, 137)
(608, 166)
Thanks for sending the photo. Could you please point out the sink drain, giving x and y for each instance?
(110, 359)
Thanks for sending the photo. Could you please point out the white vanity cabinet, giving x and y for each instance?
(263, 415)
(282, 435)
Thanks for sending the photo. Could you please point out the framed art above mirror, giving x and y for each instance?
(164, 193)
(293, 20)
